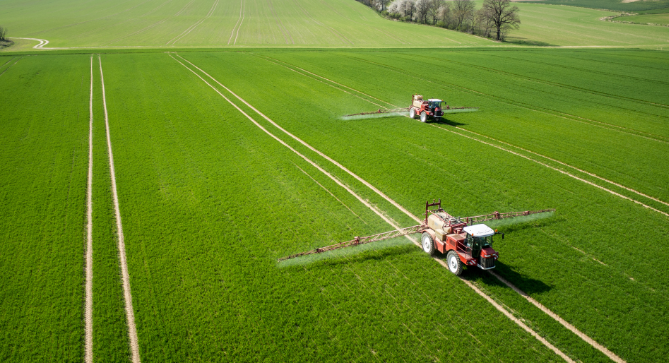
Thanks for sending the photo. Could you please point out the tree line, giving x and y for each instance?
(494, 19)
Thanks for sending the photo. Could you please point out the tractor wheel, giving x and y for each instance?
(454, 263)
(423, 117)
(412, 113)
(427, 243)
(437, 119)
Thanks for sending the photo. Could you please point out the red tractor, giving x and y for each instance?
(430, 109)
(462, 243)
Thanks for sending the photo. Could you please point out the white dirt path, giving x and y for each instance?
(125, 277)
(42, 42)
(373, 208)
(88, 304)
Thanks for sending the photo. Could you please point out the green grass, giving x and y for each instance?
(44, 155)
(157, 23)
(613, 4)
(547, 25)
(291, 23)
(662, 19)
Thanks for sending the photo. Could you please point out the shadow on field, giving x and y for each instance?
(525, 41)
(526, 284)
(445, 121)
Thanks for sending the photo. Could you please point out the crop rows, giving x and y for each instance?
(210, 198)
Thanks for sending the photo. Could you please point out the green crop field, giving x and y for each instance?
(290, 23)
(206, 23)
(217, 142)
(571, 26)
(662, 19)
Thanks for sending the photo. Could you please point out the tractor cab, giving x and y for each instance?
(478, 242)
(435, 103)
(435, 106)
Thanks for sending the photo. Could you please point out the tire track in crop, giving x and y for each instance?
(125, 276)
(154, 24)
(238, 24)
(88, 291)
(332, 30)
(184, 8)
(363, 201)
(352, 94)
(10, 59)
(192, 27)
(569, 166)
(560, 171)
(556, 317)
(284, 31)
(11, 65)
(293, 67)
(329, 192)
(566, 86)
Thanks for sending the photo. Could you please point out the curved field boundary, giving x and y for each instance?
(192, 27)
(88, 303)
(125, 277)
(367, 204)
(550, 313)
(238, 24)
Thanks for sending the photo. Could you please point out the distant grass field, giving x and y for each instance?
(618, 5)
(202, 23)
(573, 26)
(662, 18)
(290, 23)
(210, 201)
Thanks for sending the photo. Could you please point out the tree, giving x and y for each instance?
(433, 10)
(444, 14)
(3, 33)
(502, 15)
(422, 8)
(463, 11)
